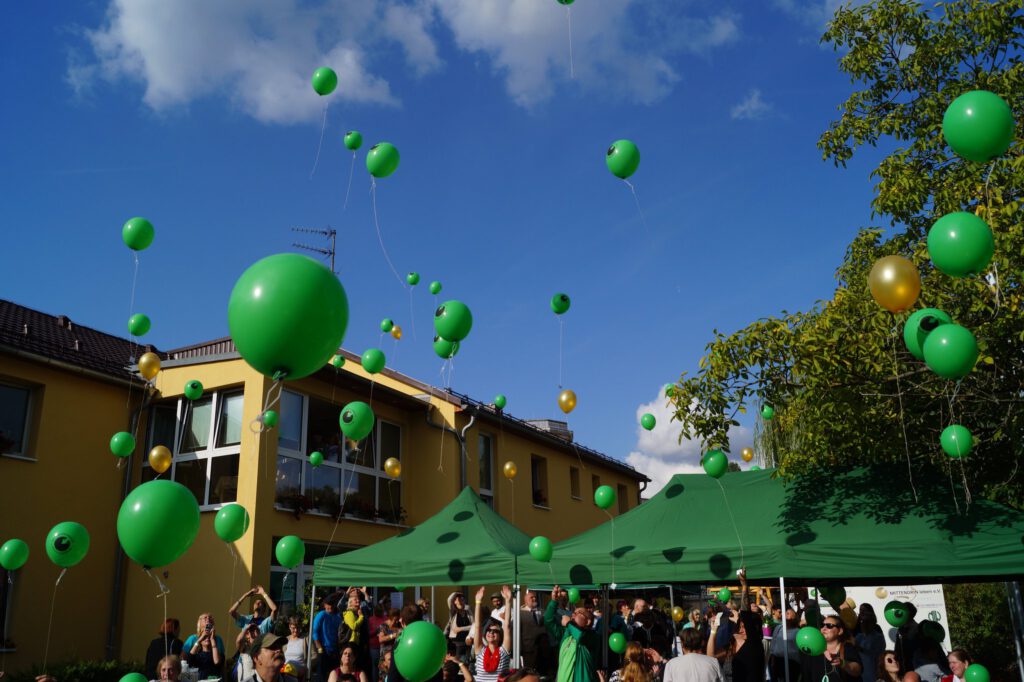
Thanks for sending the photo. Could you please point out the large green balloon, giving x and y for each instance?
(956, 441)
(978, 126)
(356, 420)
(724, 595)
(715, 463)
(560, 303)
(290, 551)
(13, 554)
(137, 234)
(194, 389)
(617, 640)
(976, 672)
(373, 360)
(412, 279)
(382, 159)
(453, 320)
(287, 313)
(622, 158)
(541, 549)
(604, 496)
(420, 651)
(231, 522)
(648, 421)
(919, 325)
(896, 613)
(158, 522)
(67, 544)
(122, 444)
(435, 287)
(810, 641)
(324, 81)
(134, 677)
(444, 348)
(139, 324)
(960, 244)
(574, 595)
(951, 351)
(353, 140)
(500, 401)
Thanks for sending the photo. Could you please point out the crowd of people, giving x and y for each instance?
(351, 639)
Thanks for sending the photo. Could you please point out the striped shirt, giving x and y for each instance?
(504, 659)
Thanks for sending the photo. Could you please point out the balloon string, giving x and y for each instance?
(568, 16)
(3, 642)
(612, 553)
(638, 208)
(131, 307)
(903, 422)
(380, 237)
(49, 624)
(234, 564)
(323, 128)
(561, 334)
(351, 172)
(269, 402)
(184, 423)
(993, 277)
(412, 315)
(728, 508)
(967, 490)
(440, 454)
(952, 489)
(164, 591)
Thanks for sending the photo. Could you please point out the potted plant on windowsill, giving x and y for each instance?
(300, 504)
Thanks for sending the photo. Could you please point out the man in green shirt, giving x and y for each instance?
(579, 647)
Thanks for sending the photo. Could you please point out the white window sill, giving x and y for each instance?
(23, 458)
(541, 506)
(347, 517)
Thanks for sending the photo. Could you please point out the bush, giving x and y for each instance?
(82, 671)
(979, 621)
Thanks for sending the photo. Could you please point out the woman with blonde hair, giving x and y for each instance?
(636, 666)
(205, 649)
(168, 669)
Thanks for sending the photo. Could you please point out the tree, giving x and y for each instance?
(844, 387)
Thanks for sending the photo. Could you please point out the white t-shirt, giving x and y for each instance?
(693, 668)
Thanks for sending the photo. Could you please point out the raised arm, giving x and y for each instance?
(506, 636)
(270, 602)
(744, 593)
(233, 611)
(552, 622)
(477, 639)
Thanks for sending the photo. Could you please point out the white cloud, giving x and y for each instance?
(814, 13)
(751, 108)
(659, 452)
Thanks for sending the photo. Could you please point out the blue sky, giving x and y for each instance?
(200, 117)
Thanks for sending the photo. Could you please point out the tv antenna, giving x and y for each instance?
(329, 233)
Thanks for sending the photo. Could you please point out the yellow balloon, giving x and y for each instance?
(895, 283)
(510, 470)
(747, 454)
(881, 593)
(392, 467)
(849, 618)
(396, 332)
(160, 459)
(149, 365)
(567, 401)
(849, 602)
(678, 614)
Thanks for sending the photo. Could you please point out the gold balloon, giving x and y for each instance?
(149, 365)
(396, 332)
(747, 454)
(895, 283)
(567, 401)
(849, 602)
(849, 618)
(392, 467)
(881, 593)
(160, 459)
(678, 614)
(510, 470)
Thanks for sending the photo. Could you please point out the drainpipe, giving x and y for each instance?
(460, 437)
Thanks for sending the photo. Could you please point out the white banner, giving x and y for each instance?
(929, 600)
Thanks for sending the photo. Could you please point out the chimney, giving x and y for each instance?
(64, 322)
(552, 426)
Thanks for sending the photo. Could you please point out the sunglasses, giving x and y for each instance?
(494, 632)
(829, 626)
(890, 659)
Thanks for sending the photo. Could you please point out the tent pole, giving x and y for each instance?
(785, 629)
(671, 610)
(309, 643)
(517, 630)
(1017, 620)
(607, 620)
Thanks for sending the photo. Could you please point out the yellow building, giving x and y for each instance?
(61, 469)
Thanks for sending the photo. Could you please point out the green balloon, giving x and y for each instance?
(387, 324)
(13, 554)
(560, 304)
(231, 522)
(338, 361)
(413, 278)
(435, 287)
(122, 444)
(976, 672)
(978, 126)
(919, 325)
(287, 313)
(270, 419)
(353, 140)
(669, 388)
(896, 613)
(715, 463)
(137, 234)
(604, 496)
(356, 420)
(956, 441)
(444, 348)
(134, 677)
(194, 389)
(569, 2)
(833, 594)
(158, 522)
(138, 324)
(622, 158)
(810, 641)
(500, 401)
(755, 468)
(648, 421)
(933, 631)
(616, 640)
(373, 360)
(316, 459)
(541, 549)
(382, 159)
(724, 595)
(574, 595)
(420, 651)
(67, 543)
(960, 244)
(951, 351)
(324, 81)
(767, 412)
(453, 320)
(290, 551)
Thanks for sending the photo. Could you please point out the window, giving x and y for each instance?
(286, 585)
(623, 499)
(595, 483)
(539, 480)
(204, 437)
(485, 455)
(351, 480)
(574, 482)
(15, 413)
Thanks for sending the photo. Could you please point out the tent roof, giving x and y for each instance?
(465, 543)
(859, 526)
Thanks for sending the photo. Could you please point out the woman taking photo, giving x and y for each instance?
(205, 649)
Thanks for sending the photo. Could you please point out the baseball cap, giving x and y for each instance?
(272, 641)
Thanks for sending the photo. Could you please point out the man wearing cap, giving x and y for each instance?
(268, 659)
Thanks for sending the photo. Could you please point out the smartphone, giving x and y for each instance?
(209, 626)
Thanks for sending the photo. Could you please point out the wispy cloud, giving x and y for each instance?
(752, 107)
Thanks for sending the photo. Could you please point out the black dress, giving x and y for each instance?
(164, 643)
(748, 663)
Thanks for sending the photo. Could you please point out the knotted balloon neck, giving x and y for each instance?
(929, 322)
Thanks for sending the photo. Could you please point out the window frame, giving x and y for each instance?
(539, 494)
(575, 490)
(30, 413)
(622, 496)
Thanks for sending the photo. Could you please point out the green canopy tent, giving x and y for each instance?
(860, 526)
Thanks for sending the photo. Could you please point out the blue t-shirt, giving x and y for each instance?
(263, 623)
(325, 630)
